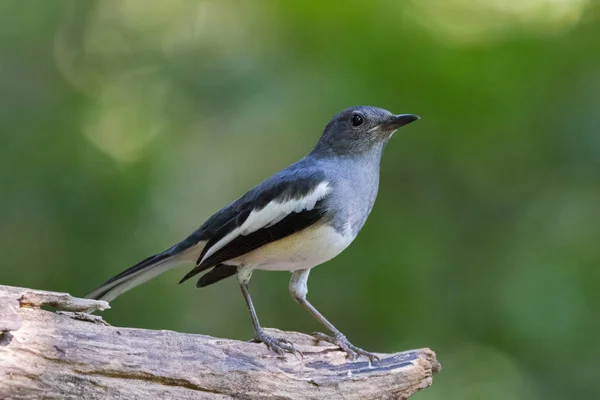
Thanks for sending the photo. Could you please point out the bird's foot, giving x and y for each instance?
(279, 346)
(351, 350)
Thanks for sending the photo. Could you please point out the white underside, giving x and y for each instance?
(302, 250)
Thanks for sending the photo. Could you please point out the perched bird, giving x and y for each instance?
(301, 217)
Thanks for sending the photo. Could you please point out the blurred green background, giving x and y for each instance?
(124, 124)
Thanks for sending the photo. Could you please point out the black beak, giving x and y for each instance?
(399, 120)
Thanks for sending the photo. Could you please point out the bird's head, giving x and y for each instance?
(360, 129)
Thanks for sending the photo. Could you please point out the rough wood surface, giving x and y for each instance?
(73, 355)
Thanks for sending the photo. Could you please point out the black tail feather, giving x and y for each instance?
(140, 266)
(109, 285)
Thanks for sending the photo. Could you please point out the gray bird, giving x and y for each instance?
(301, 217)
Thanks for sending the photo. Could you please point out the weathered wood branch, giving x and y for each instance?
(74, 355)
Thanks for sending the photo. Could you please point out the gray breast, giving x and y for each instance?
(355, 189)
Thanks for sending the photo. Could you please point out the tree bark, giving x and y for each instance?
(70, 354)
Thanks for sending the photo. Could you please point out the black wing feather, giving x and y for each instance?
(216, 274)
(243, 244)
(294, 182)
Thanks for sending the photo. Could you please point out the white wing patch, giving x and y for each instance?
(271, 214)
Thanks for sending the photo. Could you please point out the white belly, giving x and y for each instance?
(305, 249)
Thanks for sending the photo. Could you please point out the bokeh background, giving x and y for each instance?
(124, 124)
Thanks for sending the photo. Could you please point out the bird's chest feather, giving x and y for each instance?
(353, 201)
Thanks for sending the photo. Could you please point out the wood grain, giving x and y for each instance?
(74, 355)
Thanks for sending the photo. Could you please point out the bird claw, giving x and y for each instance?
(278, 345)
(351, 350)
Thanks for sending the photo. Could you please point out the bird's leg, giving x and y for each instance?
(298, 290)
(279, 346)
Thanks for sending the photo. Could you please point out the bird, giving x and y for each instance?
(300, 217)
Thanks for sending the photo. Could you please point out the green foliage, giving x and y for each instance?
(123, 125)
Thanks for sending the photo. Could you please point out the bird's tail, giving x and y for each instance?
(143, 271)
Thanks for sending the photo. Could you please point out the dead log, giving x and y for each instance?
(70, 354)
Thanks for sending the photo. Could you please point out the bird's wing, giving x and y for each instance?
(216, 274)
(284, 204)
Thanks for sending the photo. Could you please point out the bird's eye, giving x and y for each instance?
(357, 120)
